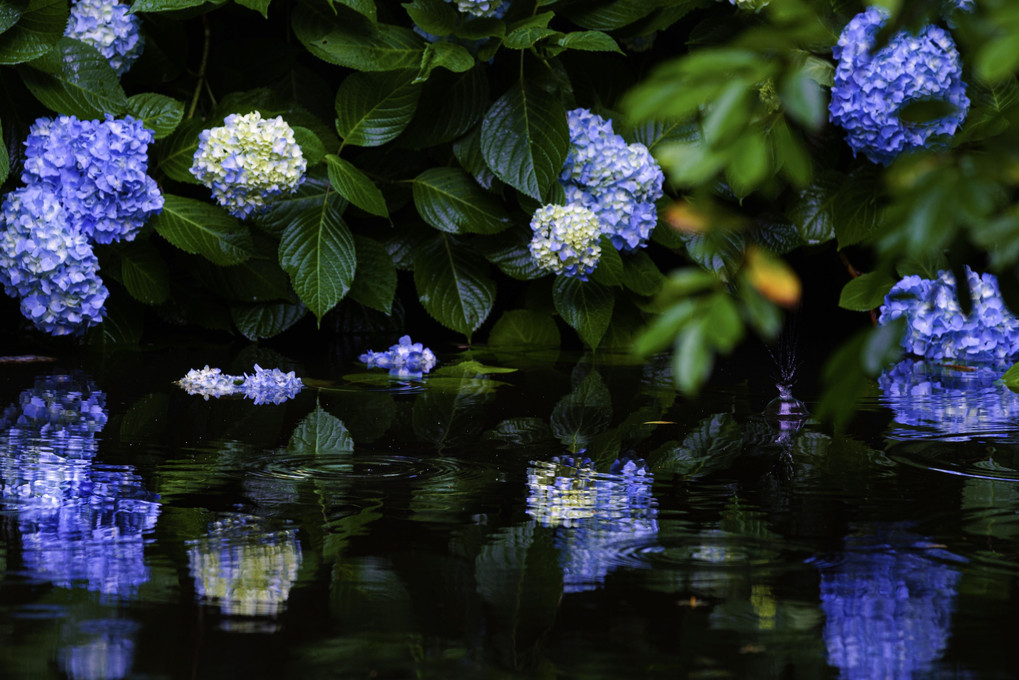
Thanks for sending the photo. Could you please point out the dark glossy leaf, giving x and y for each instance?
(374, 108)
(260, 321)
(320, 432)
(585, 306)
(360, 45)
(39, 26)
(160, 113)
(524, 328)
(203, 229)
(453, 284)
(866, 291)
(144, 272)
(375, 278)
(450, 200)
(355, 186)
(74, 79)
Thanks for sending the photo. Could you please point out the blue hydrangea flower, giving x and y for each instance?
(249, 161)
(107, 26)
(888, 604)
(404, 360)
(871, 88)
(936, 327)
(594, 514)
(98, 169)
(48, 264)
(210, 382)
(619, 183)
(245, 566)
(566, 239)
(266, 386)
(482, 8)
(957, 405)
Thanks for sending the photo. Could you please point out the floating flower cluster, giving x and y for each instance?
(936, 327)
(958, 405)
(619, 183)
(888, 610)
(79, 525)
(244, 566)
(405, 359)
(49, 264)
(263, 386)
(593, 513)
(872, 88)
(565, 240)
(98, 169)
(249, 161)
(108, 26)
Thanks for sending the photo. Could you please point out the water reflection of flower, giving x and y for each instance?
(889, 605)
(98, 649)
(592, 513)
(245, 566)
(966, 403)
(78, 523)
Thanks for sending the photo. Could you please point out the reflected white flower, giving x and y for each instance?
(244, 566)
(98, 649)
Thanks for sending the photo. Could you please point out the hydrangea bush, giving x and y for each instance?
(305, 168)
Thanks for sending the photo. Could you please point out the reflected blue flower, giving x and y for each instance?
(889, 605)
(79, 524)
(958, 403)
(98, 649)
(592, 513)
(245, 566)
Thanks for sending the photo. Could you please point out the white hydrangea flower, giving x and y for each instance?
(565, 240)
(249, 161)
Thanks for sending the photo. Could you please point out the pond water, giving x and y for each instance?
(574, 518)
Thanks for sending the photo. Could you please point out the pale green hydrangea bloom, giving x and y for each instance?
(565, 240)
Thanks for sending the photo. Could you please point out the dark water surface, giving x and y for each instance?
(574, 519)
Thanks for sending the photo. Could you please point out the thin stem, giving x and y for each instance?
(201, 66)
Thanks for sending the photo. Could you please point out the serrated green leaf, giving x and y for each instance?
(375, 278)
(355, 186)
(260, 321)
(586, 307)
(144, 272)
(203, 229)
(374, 108)
(447, 55)
(433, 16)
(11, 12)
(866, 291)
(509, 251)
(176, 154)
(40, 25)
(360, 45)
(317, 251)
(525, 37)
(74, 79)
(641, 274)
(525, 138)
(312, 147)
(314, 192)
(453, 284)
(320, 432)
(160, 113)
(524, 328)
(365, 8)
(260, 6)
(813, 213)
(589, 41)
(609, 270)
(450, 200)
(163, 5)
(606, 16)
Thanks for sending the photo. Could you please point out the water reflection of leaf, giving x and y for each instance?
(443, 418)
(321, 432)
(521, 432)
(713, 444)
(146, 419)
(583, 413)
(368, 415)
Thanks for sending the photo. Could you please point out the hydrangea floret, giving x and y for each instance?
(263, 386)
(108, 26)
(936, 327)
(210, 382)
(482, 8)
(249, 161)
(405, 359)
(98, 169)
(872, 88)
(48, 264)
(566, 240)
(618, 182)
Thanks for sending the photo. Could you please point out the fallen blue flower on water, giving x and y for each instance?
(263, 386)
(405, 359)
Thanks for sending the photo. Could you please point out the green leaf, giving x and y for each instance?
(641, 275)
(525, 37)
(606, 16)
(586, 307)
(997, 58)
(355, 186)
(312, 147)
(375, 278)
(74, 79)
(813, 213)
(320, 432)
(433, 16)
(11, 12)
(315, 192)
(609, 270)
(453, 284)
(589, 41)
(38, 29)
(317, 250)
(525, 138)
(144, 272)
(359, 45)
(450, 200)
(164, 5)
(259, 321)
(447, 55)
(450, 105)
(1011, 378)
(260, 6)
(203, 229)
(693, 360)
(5, 159)
(374, 108)
(866, 291)
(524, 328)
(728, 114)
(804, 99)
(160, 113)
(365, 8)
(176, 154)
